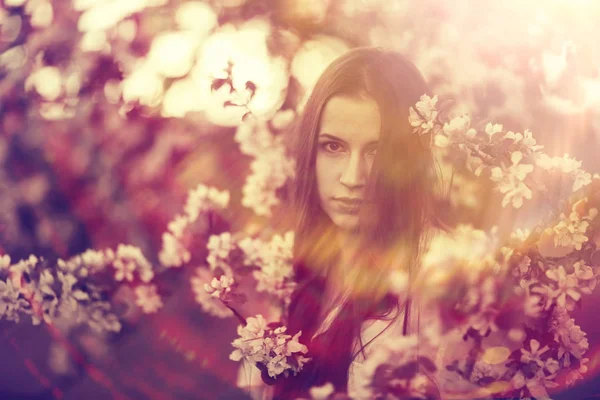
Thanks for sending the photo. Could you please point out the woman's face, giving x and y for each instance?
(346, 146)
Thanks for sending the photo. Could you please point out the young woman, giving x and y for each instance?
(362, 200)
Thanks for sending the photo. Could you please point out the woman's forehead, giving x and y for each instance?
(351, 118)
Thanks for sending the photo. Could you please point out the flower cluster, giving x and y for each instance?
(396, 369)
(87, 263)
(220, 247)
(219, 288)
(270, 168)
(464, 268)
(508, 157)
(129, 259)
(275, 274)
(64, 294)
(148, 299)
(264, 344)
(210, 304)
(269, 261)
(202, 199)
(571, 230)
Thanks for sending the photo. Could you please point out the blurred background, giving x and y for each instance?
(112, 110)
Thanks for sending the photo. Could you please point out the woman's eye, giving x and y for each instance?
(372, 152)
(332, 147)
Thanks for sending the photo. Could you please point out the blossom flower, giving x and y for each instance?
(567, 285)
(100, 319)
(322, 392)
(423, 119)
(219, 247)
(253, 250)
(89, 262)
(564, 164)
(271, 347)
(520, 234)
(219, 288)
(459, 128)
(124, 269)
(22, 267)
(586, 277)
(269, 172)
(10, 303)
(314, 56)
(208, 303)
(574, 376)
(570, 337)
(178, 225)
(173, 253)
(391, 353)
(525, 140)
(129, 259)
(510, 181)
(552, 365)
(148, 299)
(522, 267)
(492, 129)
(276, 272)
(254, 137)
(204, 198)
(172, 54)
(532, 307)
(4, 261)
(581, 179)
(238, 54)
(484, 320)
(571, 231)
(534, 354)
(257, 193)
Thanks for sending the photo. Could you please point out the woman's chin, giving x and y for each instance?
(346, 222)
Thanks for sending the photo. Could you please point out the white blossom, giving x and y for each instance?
(492, 129)
(510, 181)
(571, 339)
(396, 351)
(525, 140)
(173, 253)
(423, 119)
(566, 286)
(4, 261)
(148, 299)
(10, 304)
(89, 262)
(459, 128)
(204, 198)
(219, 247)
(322, 392)
(534, 354)
(253, 250)
(268, 172)
(129, 259)
(209, 304)
(571, 231)
(177, 225)
(273, 348)
(219, 287)
(275, 275)
(238, 54)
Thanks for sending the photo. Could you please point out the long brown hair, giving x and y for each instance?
(393, 226)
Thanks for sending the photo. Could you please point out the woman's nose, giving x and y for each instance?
(354, 172)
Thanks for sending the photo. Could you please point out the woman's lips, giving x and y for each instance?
(348, 206)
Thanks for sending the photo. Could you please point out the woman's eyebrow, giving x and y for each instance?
(327, 135)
